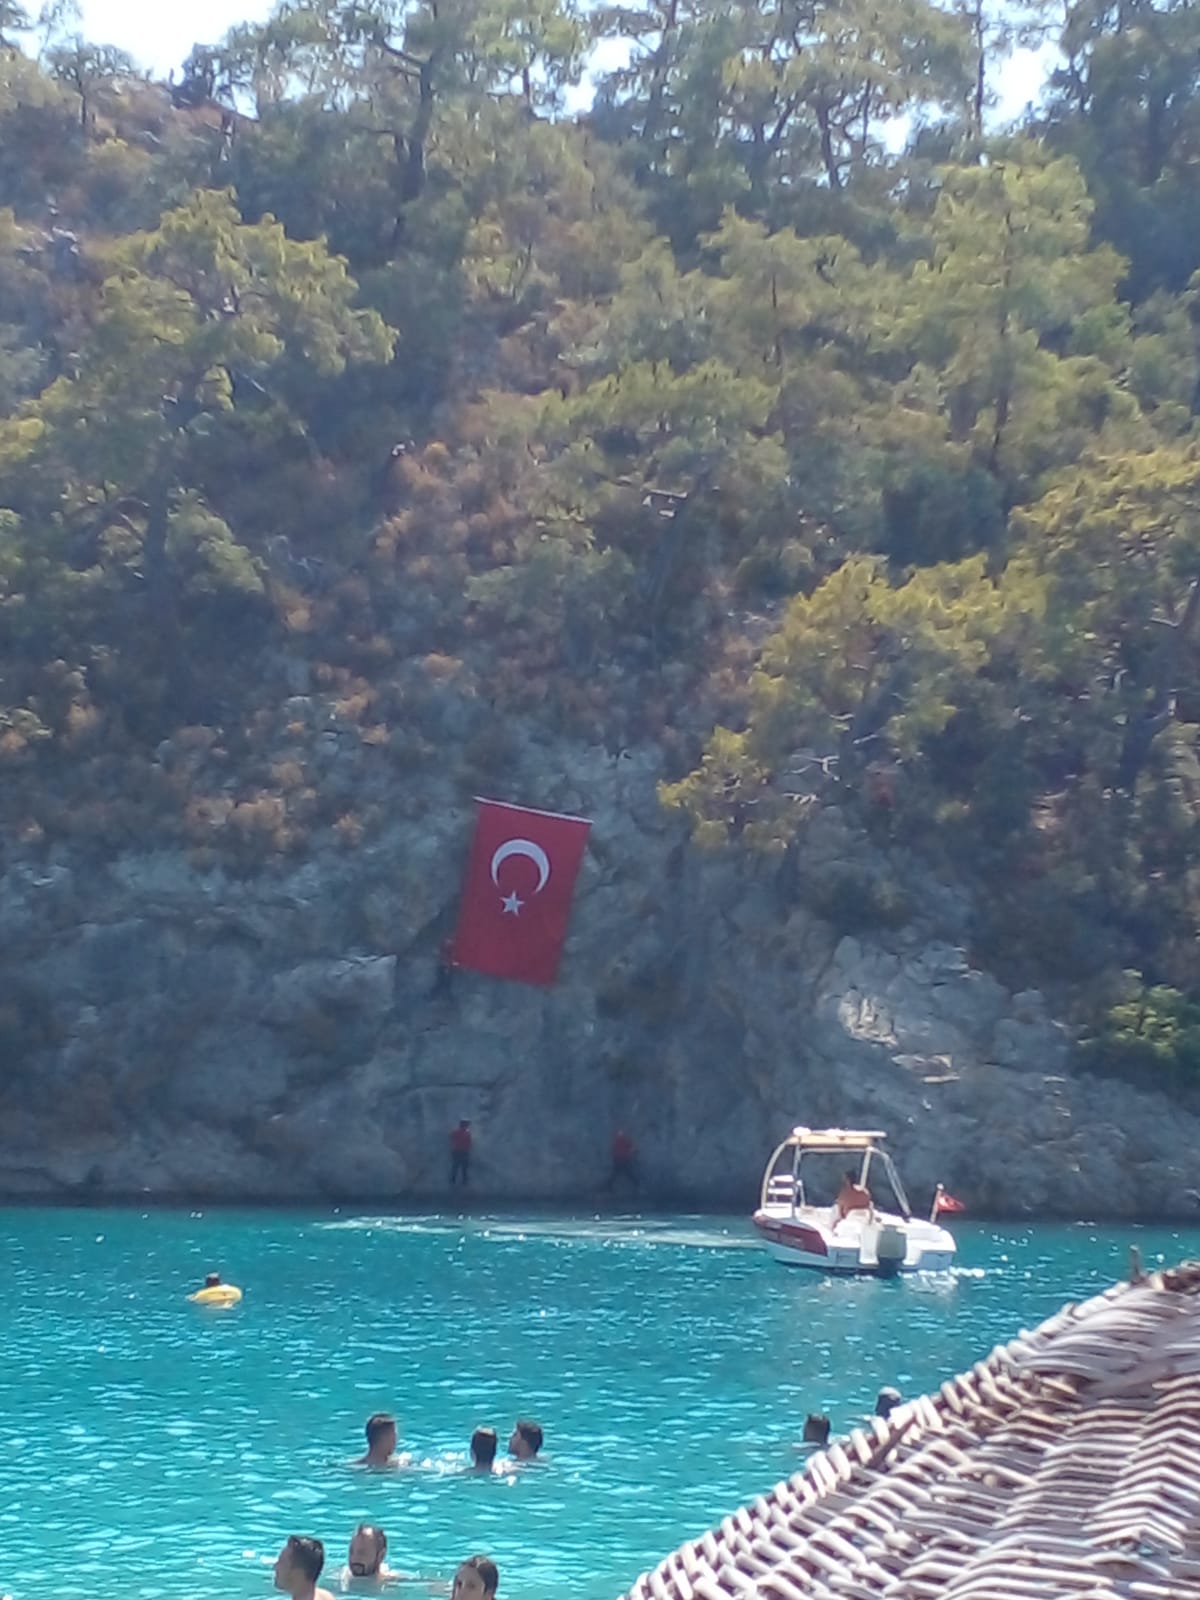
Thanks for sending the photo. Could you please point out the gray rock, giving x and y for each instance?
(297, 676)
(1029, 1005)
(357, 985)
(290, 1035)
(226, 1074)
(1034, 1045)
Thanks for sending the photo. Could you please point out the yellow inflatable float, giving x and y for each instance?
(216, 1293)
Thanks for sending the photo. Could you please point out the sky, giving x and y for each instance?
(160, 33)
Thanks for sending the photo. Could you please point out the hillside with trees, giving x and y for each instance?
(778, 411)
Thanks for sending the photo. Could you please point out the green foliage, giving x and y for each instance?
(1125, 104)
(1011, 272)
(854, 900)
(1116, 541)
(39, 130)
(940, 508)
(854, 468)
(1154, 1035)
(760, 105)
(87, 70)
(860, 672)
(205, 553)
(196, 323)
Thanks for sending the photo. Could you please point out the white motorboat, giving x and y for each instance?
(851, 1234)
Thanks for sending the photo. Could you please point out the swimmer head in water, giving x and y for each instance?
(298, 1565)
(476, 1579)
(382, 1435)
(367, 1550)
(525, 1440)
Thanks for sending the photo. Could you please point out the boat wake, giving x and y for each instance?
(617, 1232)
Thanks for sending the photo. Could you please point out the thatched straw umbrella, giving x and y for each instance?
(1064, 1467)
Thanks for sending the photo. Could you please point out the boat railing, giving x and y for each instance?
(894, 1179)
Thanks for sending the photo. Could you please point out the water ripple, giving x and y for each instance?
(150, 1449)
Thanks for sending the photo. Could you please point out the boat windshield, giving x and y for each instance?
(818, 1177)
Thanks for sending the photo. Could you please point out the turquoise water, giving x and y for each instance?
(152, 1449)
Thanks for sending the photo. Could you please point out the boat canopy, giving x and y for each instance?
(832, 1139)
(786, 1188)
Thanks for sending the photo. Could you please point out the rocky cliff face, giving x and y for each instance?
(169, 1030)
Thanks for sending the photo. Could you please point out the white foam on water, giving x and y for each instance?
(635, 1233)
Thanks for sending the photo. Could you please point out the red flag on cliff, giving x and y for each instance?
(517, 894)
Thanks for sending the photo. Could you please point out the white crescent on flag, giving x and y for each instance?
(522, 847)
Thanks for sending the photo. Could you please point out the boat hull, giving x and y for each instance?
(789, 1256)
(795, 1242)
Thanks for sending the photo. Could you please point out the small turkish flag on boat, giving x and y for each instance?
(517, 893)
(946, 1202)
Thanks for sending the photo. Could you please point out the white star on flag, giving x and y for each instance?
(513, 904)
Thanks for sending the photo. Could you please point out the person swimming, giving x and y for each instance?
(483, 1449)
(476, 1579)
(216, 1292)
(525, 1440)
(365, 1565)
(382, 1436)
(298, 1566)
(887, 1401)
(816, 1429)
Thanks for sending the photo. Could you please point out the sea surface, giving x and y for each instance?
(149, 1448)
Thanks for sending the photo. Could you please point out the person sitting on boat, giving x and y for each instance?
(852, 1196)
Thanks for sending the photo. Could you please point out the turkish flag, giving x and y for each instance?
(947, 1202)
(517, 894)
